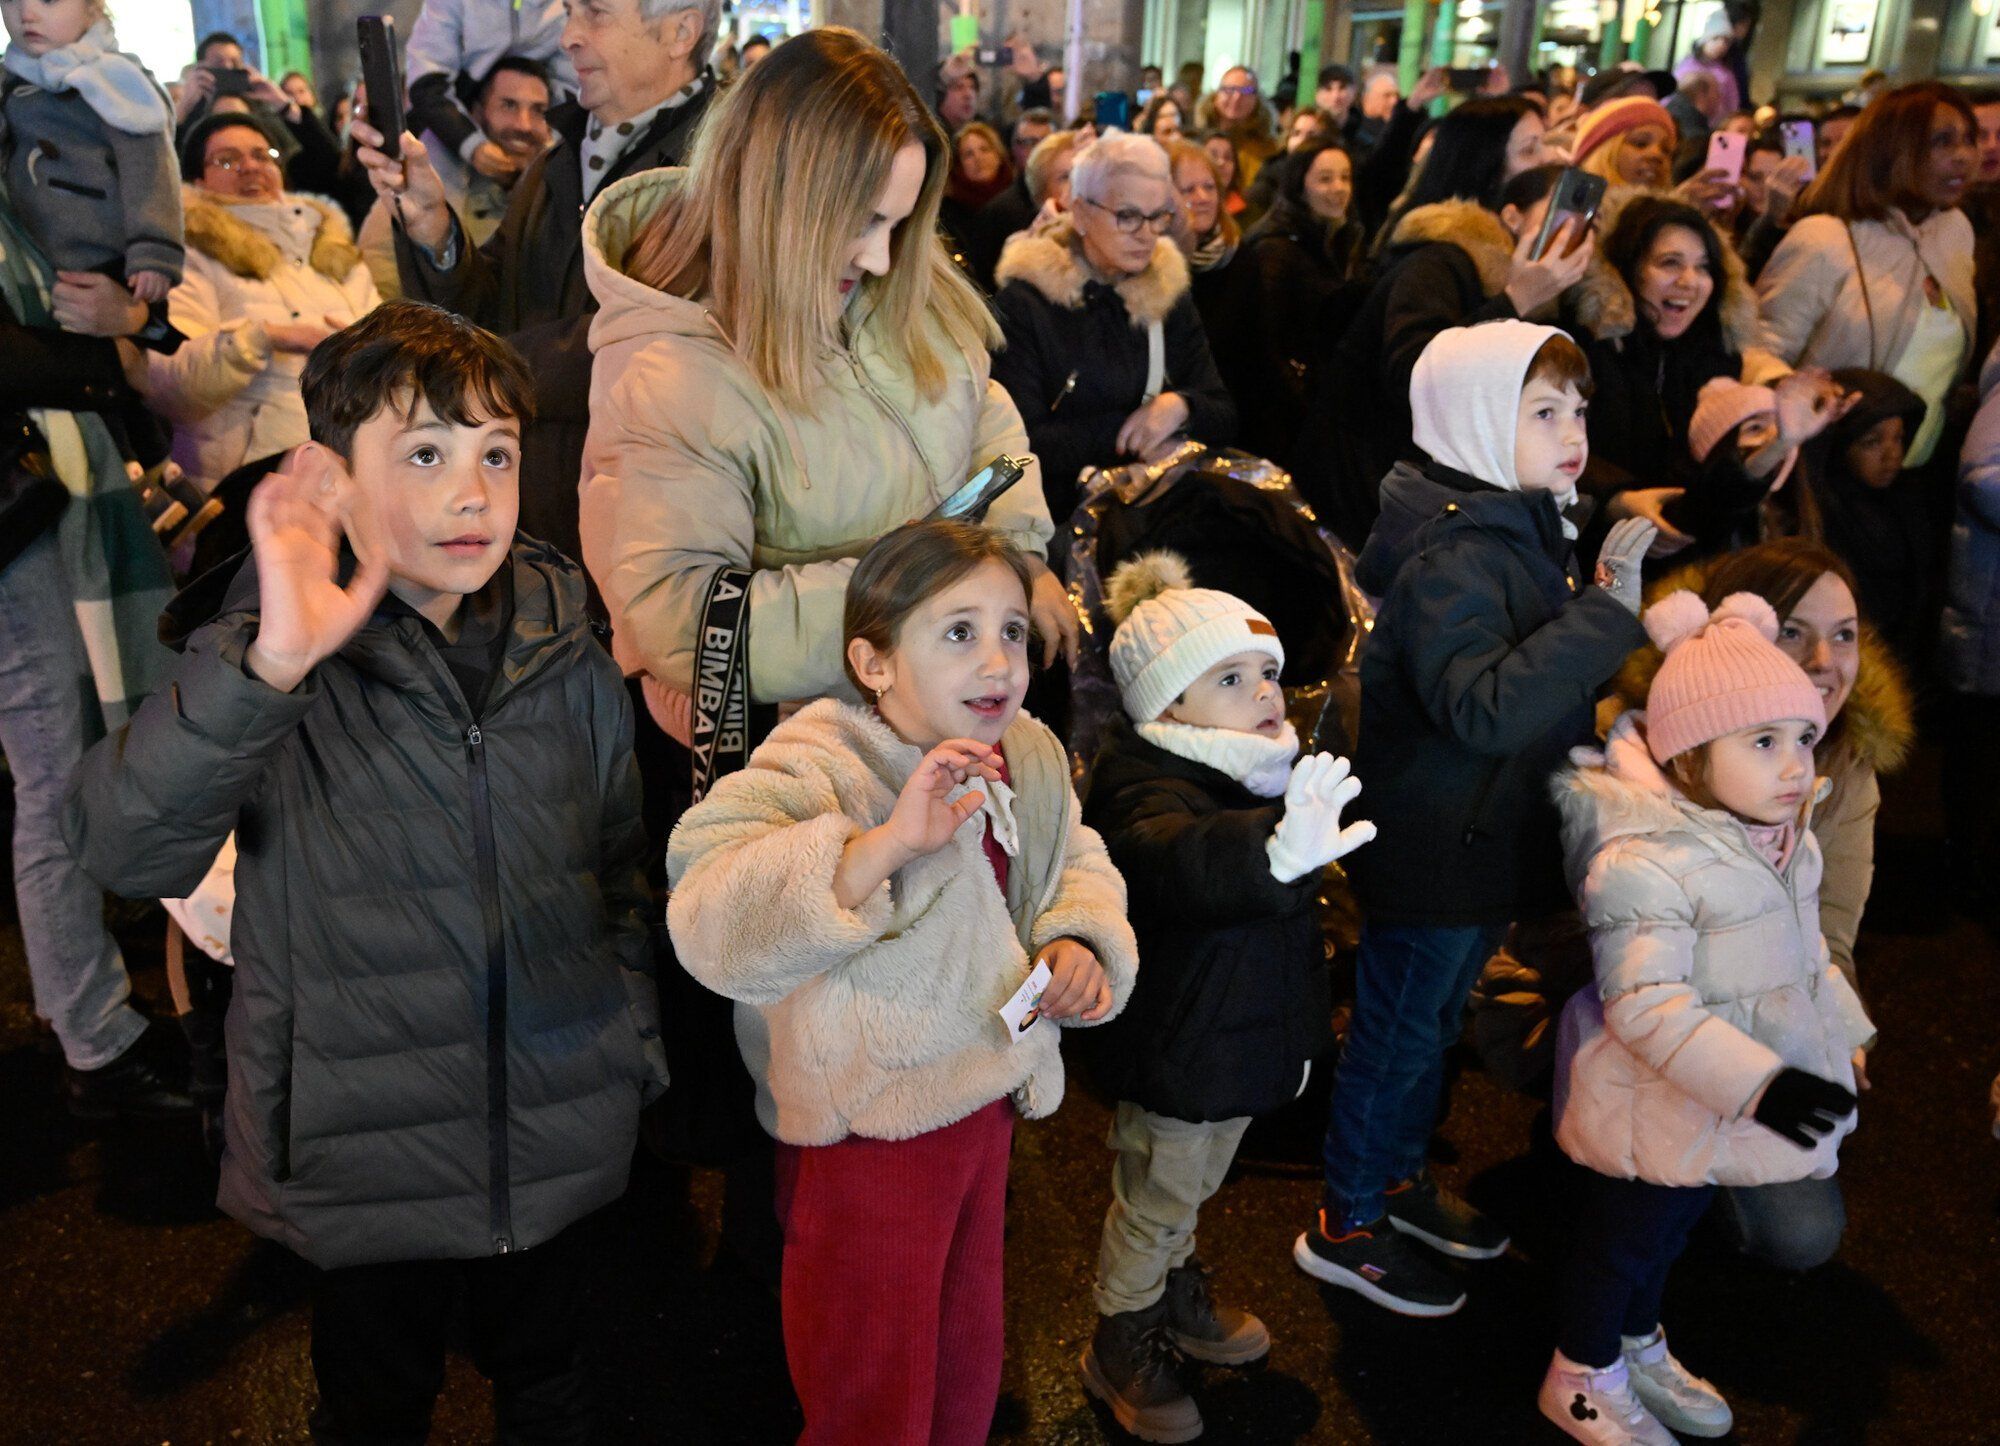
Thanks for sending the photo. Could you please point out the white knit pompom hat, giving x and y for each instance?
(1171, 632)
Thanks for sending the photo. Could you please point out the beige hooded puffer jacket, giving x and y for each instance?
(1711, 977)
(691, 465)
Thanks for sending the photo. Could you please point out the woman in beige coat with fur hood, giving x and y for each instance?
(784, 373)
(270, 274)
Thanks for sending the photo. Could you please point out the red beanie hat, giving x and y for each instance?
(1615, 117)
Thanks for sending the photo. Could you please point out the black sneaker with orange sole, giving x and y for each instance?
(1380, 1264)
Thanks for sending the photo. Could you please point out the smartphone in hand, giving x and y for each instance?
(1726, 151)
(382, 72)
(1799, 140)
(1576, 198)
(969, 502)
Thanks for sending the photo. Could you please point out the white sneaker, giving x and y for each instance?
(1598, 1406)
(1671, 1391)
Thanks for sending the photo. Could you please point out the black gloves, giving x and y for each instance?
(1802, 1107)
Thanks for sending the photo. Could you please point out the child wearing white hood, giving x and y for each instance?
(1481, 673)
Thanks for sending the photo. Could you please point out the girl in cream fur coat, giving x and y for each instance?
(1720, 1045)
(873, 890)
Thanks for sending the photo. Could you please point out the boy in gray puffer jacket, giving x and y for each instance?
(444, 1020)
(86, 134)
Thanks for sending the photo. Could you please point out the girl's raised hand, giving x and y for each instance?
(923, 821)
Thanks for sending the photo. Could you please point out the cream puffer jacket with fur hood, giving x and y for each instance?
(231, 395)
(883, 1021)
(1711, 977)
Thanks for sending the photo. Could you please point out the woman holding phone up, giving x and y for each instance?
(783, 374)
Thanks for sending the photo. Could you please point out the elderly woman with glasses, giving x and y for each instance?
(270, 274)
(1105, 353)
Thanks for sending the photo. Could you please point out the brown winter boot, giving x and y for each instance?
(1205, 1331)
(1131, 1366)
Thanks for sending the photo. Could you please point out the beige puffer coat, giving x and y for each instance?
(1816, 309)
(883, 1021)
(691, 466)
(230, 394)
(1711, 977)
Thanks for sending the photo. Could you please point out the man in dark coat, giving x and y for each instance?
(644, 86)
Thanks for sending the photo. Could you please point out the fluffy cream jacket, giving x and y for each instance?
(1711, 977)
(882, 1021)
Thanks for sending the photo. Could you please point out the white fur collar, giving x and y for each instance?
(1262, 765)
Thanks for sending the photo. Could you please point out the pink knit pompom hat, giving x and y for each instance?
(1723, 405)
(1722, 672)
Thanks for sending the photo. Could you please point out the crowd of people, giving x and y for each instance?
(507, 590)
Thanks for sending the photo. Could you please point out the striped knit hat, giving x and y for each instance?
(1721, 673)
(1614, 118)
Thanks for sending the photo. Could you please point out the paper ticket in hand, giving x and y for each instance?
(1025, 1007)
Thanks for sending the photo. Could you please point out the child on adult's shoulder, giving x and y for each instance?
(1479, 676)
(870, 939)
(1221, 830)
(1720, 1044)
(444, 1020)
(87, 135)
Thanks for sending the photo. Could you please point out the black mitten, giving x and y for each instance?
(1802, 1107)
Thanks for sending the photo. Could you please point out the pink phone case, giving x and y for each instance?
(1725, 153)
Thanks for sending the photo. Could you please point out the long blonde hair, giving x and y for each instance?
(784, 175)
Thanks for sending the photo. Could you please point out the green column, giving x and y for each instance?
(1611, 44)
(1442, 44)
(1642, 38)
(1312, 45)
(1410, 51)
(287, 35)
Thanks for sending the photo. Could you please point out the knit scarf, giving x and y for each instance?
(117, 574)
(1210, 252)
(112, 83)
(1262, 765)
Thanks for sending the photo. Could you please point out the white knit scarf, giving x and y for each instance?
(112, 83)
(1262, 765)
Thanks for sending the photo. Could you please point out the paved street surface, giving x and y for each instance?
(132, 1314)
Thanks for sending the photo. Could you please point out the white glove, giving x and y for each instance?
(1309, 836)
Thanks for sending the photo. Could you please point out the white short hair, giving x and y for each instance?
(654, 11)
(1118, 153)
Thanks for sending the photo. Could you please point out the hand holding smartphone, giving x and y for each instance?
(1726, 151)
(1576, 198)
(1799, 141)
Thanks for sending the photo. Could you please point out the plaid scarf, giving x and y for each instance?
(118, 574)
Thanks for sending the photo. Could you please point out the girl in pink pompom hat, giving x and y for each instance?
(1720, 1045)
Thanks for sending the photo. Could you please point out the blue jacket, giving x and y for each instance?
(1972, 605)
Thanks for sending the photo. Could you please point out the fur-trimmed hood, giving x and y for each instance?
(253, 240)
(1878, 720)
(1053, 264)
(1471, 228)
(1604, 306)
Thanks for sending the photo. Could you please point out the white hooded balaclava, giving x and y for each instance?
(1465, 398)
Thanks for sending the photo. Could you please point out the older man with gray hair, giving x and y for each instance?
(643, 83)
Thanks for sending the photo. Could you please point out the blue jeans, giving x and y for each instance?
(1794, 1226)
(1409, 1002)
(74, 965)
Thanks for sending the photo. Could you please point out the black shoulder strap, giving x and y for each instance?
(721, 732)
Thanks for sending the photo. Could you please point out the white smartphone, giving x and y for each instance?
(1799, 141)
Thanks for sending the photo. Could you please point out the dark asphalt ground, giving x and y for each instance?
(132, 1314)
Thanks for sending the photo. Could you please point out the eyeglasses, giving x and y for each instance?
(1247, 90)
(237, 160)
(1129, 221)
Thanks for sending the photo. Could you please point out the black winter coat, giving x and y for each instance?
(1445, 267)
(1289, 292)
(1075, 356)
(445, 1003)
(1480, 675)
(1234, 998)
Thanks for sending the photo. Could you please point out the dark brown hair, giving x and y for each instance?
(1782, 572)
(909, 566)
(1876, 164)
(1561, 363)
(404, 353)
